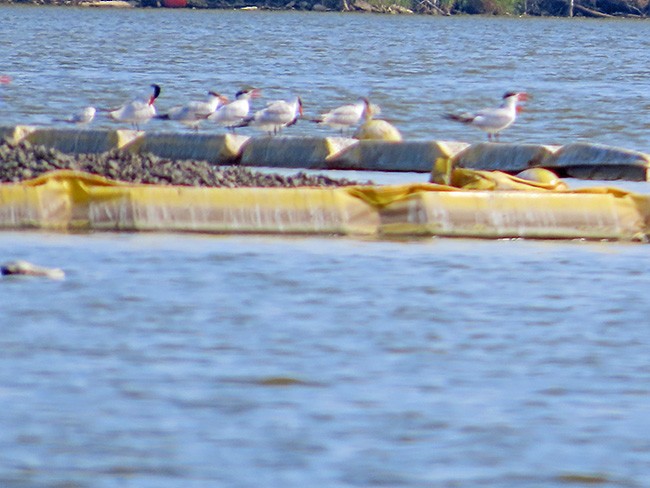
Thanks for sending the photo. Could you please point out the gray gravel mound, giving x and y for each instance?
(24, 161)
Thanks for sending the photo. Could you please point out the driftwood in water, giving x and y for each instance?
(590, 12)
(428, 7)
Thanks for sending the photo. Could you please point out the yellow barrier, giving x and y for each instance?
(541, 215)
(213, 148)
(63, 200)
(503, 156)
(86, 141)
(379, 152)
(406, 156)
(598, 162)
(68, 200)
(293, 152)
(15, 134)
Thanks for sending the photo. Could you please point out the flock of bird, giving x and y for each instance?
(235, 113)
(279, 114)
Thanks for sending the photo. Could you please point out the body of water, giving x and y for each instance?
(245, 361)
(588, 78)
(165, 361)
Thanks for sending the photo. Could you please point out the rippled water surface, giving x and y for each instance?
(207, 361)
(165, 361)
(589, 78)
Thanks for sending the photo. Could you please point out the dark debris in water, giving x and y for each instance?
(583, 479)
(271, 381)
(24, 161)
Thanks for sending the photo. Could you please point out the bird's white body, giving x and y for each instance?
(346, 116)
(138, 111)
(135, 112)
(26, 268)
(277, 115)
(234, 113)
(83, 117)
(193, 113)
(494, 120)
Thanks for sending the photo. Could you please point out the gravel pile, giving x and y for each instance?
(24, 161)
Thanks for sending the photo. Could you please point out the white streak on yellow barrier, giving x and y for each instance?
(67, 200)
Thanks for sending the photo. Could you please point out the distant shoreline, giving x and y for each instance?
(541, 8)
(302, 5)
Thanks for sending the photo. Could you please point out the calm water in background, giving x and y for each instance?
(194, 361)
(589, 79)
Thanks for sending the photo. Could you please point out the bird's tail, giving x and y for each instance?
(244, 123)
(161, 116)
(462, 118)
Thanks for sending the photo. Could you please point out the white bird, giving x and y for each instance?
(193, 113)
(83, 117)
(276, 115)
(234, 113)
(346, 116)
(21, 267)
(494, 120)
(138, 111)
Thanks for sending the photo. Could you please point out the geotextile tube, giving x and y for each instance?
(70, 200)
(383, 152)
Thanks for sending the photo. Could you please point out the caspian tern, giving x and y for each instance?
(193, 113)
(232, 114)
(138, 111)
(276, 115)
(83, 117)
(346, 116)
(493, 120)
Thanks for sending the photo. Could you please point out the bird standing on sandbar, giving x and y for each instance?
(193, 113)
(138, 111)
(346, 116)
(493, 120)
(234, 113)
(276, 116)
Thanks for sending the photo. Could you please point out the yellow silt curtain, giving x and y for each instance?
(489, 205)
